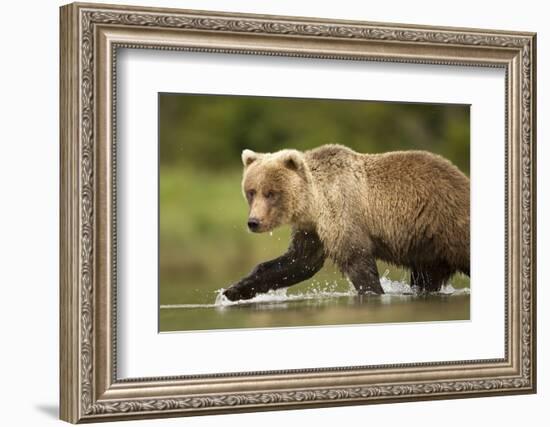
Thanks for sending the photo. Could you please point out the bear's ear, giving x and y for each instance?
(293, 160)
(248, 157)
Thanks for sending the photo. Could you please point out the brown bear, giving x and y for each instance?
(407, 208)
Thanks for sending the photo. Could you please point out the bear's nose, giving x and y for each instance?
(253, 224)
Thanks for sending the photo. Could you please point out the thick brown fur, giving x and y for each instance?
(408, 208)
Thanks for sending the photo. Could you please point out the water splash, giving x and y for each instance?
(394, 287)
(318, 291)
(281, 296)
(449, 289)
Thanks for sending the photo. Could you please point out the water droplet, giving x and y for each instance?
(271, 233)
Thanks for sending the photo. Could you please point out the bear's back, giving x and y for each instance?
(332, 161)
(419, 206)
(405, 201)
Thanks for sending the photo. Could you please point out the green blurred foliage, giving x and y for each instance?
(209, 131)
(204, 245)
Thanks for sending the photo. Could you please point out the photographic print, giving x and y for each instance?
(291, 212)
(258, 183)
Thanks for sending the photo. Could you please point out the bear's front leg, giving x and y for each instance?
(363, 273)
(304, 257)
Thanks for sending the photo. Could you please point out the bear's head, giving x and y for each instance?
(277, 188)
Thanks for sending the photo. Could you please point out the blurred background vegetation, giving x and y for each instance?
(209, 132)
(204, 245)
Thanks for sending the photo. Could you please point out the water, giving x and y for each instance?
(320, 304)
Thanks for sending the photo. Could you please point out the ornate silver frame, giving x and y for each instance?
(90, 36)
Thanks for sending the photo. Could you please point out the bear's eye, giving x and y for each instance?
(270, 194)
(250, 194)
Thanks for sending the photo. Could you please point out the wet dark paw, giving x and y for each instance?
(232, 294)
(237, 292)
(372, 290)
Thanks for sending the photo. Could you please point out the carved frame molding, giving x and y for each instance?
(90, 37)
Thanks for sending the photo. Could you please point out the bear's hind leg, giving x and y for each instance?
(363, 273)
(430, 279)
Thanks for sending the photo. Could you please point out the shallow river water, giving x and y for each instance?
(285, 308)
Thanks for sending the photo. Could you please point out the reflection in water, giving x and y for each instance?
(319, 306)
